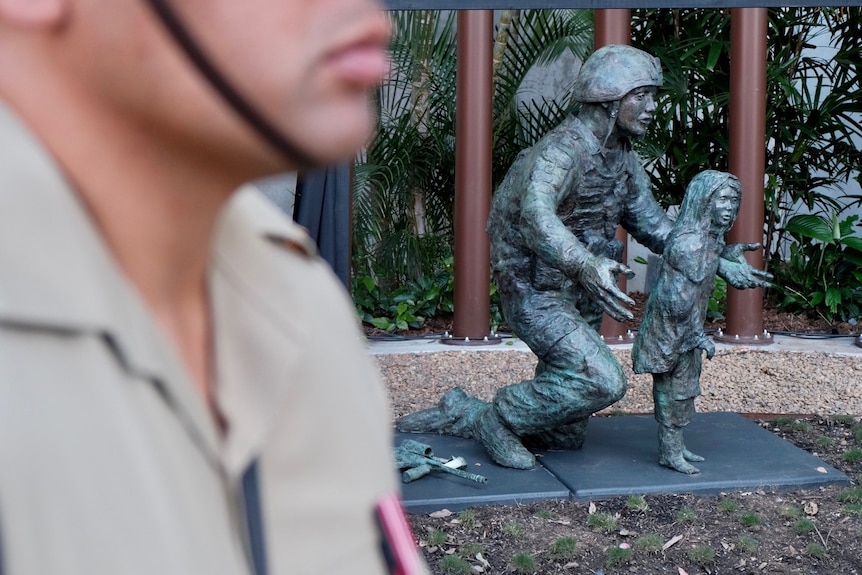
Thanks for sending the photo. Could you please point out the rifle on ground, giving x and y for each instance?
(417, 460)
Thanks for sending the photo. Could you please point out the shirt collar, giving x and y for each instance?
(57, 274)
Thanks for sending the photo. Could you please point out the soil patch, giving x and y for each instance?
(801, 531)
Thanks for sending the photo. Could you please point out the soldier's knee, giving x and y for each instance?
(615, 387)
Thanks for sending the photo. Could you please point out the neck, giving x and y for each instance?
(156, 208)
(596, 118)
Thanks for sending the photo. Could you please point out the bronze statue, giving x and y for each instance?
(555, 260)
(671, 339)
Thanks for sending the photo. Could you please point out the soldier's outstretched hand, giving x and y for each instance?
(599, 277)
(737, 272)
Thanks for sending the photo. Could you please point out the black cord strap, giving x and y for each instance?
(217, 80)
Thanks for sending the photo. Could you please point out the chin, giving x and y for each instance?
(339, 138)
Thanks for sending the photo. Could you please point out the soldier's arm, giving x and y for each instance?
(643, 217)
(554, 169)
(553, 172)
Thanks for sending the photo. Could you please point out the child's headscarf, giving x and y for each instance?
(695, 214)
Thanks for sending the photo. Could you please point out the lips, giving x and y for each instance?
(364, 64)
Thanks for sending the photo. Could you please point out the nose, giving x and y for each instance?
(650, 103)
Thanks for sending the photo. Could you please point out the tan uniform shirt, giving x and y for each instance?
(110, 463)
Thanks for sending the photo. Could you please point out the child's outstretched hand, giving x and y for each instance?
(706, 345)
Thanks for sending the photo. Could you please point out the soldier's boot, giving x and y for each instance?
(670, 450)
(501, 443)
(455, 414)
(563, 438)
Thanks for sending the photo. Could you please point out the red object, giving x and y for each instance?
(399, 546)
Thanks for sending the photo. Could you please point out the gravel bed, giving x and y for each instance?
(736, 380)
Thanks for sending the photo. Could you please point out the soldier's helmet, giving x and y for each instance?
(613, 71)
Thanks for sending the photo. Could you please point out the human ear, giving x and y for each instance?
(34, 14)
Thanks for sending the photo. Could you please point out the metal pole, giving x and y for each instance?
(473, 141)
(748, 163)
(614, 26)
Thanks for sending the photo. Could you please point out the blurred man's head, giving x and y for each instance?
(306, 67)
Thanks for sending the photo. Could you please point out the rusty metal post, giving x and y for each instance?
(614, 26)
(748, 163)
(473, 141)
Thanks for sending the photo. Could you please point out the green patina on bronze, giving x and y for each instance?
(555, 260)
(671, 339)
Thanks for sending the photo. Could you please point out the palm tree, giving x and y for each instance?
(404, 183)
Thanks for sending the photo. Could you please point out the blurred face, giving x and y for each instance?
(636, 111)
(724, 206)
(307, 65)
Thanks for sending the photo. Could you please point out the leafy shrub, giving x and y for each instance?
(823, 272)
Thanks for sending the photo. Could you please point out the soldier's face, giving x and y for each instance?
(723, 208)
(636, 111)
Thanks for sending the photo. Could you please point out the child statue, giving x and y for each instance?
(671, 336)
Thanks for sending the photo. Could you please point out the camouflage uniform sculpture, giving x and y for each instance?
(555, 260)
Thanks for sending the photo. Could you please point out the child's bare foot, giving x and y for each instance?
(680, 464)
(672, 452)
(689, 456)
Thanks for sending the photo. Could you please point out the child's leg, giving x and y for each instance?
(673, 395)
(684, 411)
(671, 450)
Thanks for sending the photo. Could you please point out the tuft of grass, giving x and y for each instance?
(467, 518)
(789, 511)
(750, 519)
(703, 555)
(852, 455)
(804, 525)
(649, 543)
(637, 503)
(455, 565)
(546, 514)
(564, 548)
(800, 426)
(470, 550)
(513, 529)
(782, 421)
(857, 433)
(824, 441)
(436, 537)
(853, 509)
(616, 556)
(728, 505)
(602, 522)
(845, 420)
(746, 544)
(686, 515)
(523, 563)
(850, 495)
(815, 550)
